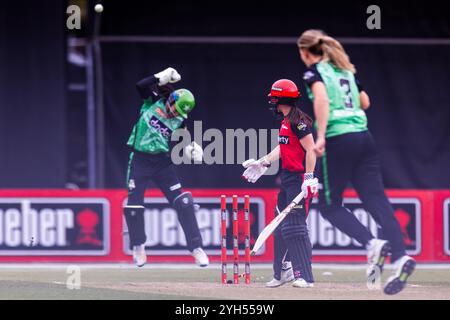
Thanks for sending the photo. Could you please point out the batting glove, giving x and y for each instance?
(255, 169)
(169, 75)
(310, 185)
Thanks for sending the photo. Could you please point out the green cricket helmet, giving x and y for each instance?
(184, 101)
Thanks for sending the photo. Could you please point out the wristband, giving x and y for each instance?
(309, 175)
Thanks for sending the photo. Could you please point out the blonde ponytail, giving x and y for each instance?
(319, 43)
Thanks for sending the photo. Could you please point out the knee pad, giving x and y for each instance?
(134, 216)
(183, 201)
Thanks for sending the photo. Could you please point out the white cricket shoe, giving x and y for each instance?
(404, 268)
(200, 257)
(286, 276)
(377, 252)
(139, 255)
(301, 283)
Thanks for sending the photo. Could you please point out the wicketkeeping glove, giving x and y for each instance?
(169, 75)
(310, 185)
(255, 169)
(194, 151)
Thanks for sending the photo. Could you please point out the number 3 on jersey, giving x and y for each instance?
(345, 86)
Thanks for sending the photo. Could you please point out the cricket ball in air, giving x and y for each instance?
(98, 8)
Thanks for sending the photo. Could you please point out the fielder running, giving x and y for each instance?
(296, 150)
(348, 154)
(162, 112)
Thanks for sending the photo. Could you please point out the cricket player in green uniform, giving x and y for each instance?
(163, 111)
(348, 154)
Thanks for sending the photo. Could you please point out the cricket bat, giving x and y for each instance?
(270, 228)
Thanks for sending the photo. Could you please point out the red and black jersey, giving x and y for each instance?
(291, 150)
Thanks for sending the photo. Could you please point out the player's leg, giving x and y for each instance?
(367, 181)
(183, 202)
(134, 209)
(335, 171)
(282, 269)
(295, 234)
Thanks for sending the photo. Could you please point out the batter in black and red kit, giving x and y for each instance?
(298, 160)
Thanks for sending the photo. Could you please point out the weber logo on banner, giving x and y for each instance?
(447, 226)
(327, 240)
(54, 226)
(166, 237)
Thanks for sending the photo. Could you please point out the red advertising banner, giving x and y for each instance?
(411, 209)
(88, 226)
(441, 217)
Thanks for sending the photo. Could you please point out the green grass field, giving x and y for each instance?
(176, 283)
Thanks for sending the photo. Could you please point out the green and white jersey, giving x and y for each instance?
(152, 132)
(346, 115)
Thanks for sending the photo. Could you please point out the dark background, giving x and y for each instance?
(42, 124)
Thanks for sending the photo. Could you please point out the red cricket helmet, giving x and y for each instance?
(283, 91)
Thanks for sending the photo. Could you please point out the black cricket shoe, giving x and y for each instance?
(397, 282)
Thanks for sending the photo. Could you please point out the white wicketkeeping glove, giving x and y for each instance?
(310, 185)
(194, 151)
(255, 169)
(168, 75)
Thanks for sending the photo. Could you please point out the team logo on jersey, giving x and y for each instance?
(283, 140)
(131, 184)
(284, 127)
(156, 124)
(301, 126)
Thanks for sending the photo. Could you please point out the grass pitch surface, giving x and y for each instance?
(173, 282)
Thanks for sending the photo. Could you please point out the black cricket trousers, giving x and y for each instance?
(353, 158)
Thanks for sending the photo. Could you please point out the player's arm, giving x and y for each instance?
(364, 99)
(307, 143)
(147, 87)
(274, 155)
(304, 134)
(321, 105)
(310, 184)
(321, 112)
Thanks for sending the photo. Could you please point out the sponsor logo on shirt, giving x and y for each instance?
(157, 124)
(283, 140)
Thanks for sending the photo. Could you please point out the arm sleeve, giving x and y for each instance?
(311, 76)
(301, 130)
(147, 88)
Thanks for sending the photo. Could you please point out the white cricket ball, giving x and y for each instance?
(98, 8)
